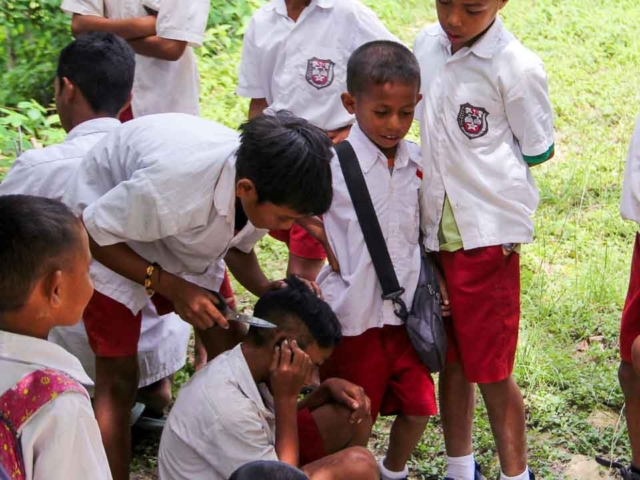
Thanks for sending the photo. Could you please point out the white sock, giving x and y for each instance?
(523, 476)
(387, 474)
(461, 468)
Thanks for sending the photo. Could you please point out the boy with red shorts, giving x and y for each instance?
(486, 119)
(294, 57)
(629, 373)
(383, 81)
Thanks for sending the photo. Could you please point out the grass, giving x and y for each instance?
(574, 276)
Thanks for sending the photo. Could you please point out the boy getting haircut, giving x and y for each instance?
(44, 283)
(486, 118)
(376, 353)
(165, 198)
(243, 406)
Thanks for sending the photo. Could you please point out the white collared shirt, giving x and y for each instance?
(302, 66)
(165, 185)
(220, 421)
(62, 440)
(486, 115)
(355, 293)
(630, 206)
(159, 86)
(45, 172)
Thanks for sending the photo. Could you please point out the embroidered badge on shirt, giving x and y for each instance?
(320, 72)
(473, 121)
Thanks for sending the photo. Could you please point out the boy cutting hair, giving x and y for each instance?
(45, 412)
(243, 406)
(485, 121)
(165, 198)
(383, 81)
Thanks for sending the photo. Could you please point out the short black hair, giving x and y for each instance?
(288, 160)
(101, 65)
(380, 62)
(36, 237)
(267, 470)
(293, 307)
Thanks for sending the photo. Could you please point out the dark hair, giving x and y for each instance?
(380, 62)
(35, 235)
(288, 161)
(267, 470)
(101, 65)
(293, 307)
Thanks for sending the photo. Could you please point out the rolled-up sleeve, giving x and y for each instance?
(185, 21)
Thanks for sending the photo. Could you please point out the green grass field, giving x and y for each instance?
(574, 276)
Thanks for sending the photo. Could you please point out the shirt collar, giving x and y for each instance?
(97, 125)
(280, 6)
(368, 152)
(485, 47)
(35, 351)
(224, 195)
(242, 374)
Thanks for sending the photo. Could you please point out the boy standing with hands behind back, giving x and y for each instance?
(486, 120)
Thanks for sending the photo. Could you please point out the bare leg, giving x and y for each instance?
(217, 340)
(406, 432)
(157, 396)
(199, 352)
(630, 383)
(306, 268)
(457, 402)
(354, 463)
(116, 386)
(507, 417)
(337, 433)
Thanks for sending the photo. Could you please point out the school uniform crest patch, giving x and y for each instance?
(473, 121)
(320, 72)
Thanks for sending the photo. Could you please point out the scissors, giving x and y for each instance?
(229, 314)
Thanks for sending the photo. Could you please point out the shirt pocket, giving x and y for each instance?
(476, 114)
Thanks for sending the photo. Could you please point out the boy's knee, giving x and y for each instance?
(416, 420)
(363, 463)
(629, 379)
(119, 377)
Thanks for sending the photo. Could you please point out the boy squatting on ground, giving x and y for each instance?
(93, 83)
(164, 198)
(166, 78)
(486, 118)
(44, 283)
(294, 57)
(383, 82)
(243, 406)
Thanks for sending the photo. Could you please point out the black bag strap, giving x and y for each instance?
(373, 237)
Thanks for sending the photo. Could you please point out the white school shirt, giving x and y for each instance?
(302, 66)
(355, 294)
(62, 440)
(221, 420)
(630, 205)
(164, 185)
(485, 114)
(159, 85)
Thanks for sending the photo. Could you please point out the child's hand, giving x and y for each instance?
(444, 295)
(290, 368)
(350, 395)
(194, 304)
(315, 227)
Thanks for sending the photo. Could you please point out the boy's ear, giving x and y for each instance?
(503, 3)
(246, 189)
(419, 98)
(53, 285)
(349, 102)
(68, 89)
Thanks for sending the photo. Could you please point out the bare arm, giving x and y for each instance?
(158, 47)
(128, 28)
(246, 268)
(257, 106)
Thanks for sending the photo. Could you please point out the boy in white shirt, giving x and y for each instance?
(165, 198)
(243, 406)
(294, 57)
(44, 283)
(162, 33)
(486, 120)
(383, 81)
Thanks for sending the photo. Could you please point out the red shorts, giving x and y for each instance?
(630, 328)
(300, 243)
(310, 440)
(484, 291)
(385, 364)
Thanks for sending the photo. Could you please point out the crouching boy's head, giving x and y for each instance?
(383, 89)
(283, 170)
(299, 315)
(44, 266)
(94, 78)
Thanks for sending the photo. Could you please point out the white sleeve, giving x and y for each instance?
(185, 21)
(530, 114)
(66, 442)
(19, 180)
(250, 81)
(369, 28)
(84, 7)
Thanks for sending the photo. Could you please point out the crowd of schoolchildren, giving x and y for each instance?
(115, 240)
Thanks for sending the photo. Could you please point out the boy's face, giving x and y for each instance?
(464, 20)
(384, 112)
(264, 214)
